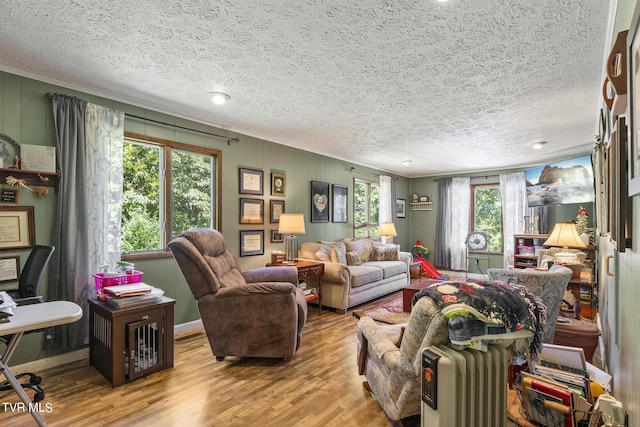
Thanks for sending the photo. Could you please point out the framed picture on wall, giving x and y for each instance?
(339, 203)
(633, 54)
(17, 229)
(9, 269)
(278, 184)
(251, 242)
(319, 201)
(276, 237)
(251, 211)
(401, 208)
(10, 196)
(276, 208)
(251, 181)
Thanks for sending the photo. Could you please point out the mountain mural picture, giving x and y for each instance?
(565, 182)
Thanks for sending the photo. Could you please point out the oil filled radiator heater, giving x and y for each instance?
(464, 388)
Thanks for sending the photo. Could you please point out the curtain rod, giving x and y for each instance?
(352, 169)
(229, 140)
(50, 95)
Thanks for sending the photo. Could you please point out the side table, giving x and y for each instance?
(132, 342)
(307, 270)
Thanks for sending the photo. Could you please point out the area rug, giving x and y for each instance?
(388, 312)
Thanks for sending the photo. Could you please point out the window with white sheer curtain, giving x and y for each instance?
(452, 223)
(387, 200)
(514, 208)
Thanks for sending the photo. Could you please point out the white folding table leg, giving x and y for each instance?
(17, 387)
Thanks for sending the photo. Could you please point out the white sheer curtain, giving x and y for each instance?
(454, 207)
(387, 200)
(89, 155)
(104, 142)
(513, 191)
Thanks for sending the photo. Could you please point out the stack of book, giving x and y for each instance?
(559, 390)
(6, 307)
(123, 296)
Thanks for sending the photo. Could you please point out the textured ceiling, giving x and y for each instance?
(464, 85)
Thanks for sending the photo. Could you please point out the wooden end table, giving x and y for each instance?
(411, 290)
(307, 270)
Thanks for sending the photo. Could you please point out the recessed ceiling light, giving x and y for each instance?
(219, 98)
(406, 162)
(538, 144)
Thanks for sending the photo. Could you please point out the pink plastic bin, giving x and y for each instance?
(125, 279)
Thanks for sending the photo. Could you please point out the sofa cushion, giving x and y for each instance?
(338, 251)
(364, 274)
(324, 253)
(385, 253)
(364, 247)
(389, 268)
(353, 258)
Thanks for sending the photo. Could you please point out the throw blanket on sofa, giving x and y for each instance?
(487, 311)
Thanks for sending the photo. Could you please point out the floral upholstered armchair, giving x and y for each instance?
(257, 313)
(548, 285)
(392, 362)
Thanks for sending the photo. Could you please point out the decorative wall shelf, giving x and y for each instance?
(422, 206)
(33, 178)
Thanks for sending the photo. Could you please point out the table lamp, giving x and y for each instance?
(387, 230)
(565, 234)
(291, 224)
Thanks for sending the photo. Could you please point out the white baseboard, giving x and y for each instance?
(53, 361)
(83, 353)
(187, 327)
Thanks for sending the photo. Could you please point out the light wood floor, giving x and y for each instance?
(320, 386)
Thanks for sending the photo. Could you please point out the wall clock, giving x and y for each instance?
(477, 241)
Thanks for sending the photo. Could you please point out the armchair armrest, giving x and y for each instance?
(381, 347)
(272, 274)
(405, 256)
(256, 288)
(334, 272)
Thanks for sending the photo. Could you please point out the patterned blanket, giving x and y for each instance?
(485, 311)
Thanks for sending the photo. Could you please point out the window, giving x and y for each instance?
(158, 206)
(487, 213)
(366, 201)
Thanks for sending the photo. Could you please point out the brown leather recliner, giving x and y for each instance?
(258, 313)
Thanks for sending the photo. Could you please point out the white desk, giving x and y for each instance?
(30, 318)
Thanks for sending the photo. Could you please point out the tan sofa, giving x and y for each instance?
(357, 270)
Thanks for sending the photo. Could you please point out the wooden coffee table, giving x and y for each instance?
(411, 290)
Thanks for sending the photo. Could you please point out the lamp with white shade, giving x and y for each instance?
(291, 224)
(387, 230)
(566, 235)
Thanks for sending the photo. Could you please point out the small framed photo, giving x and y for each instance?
(319, 201)
(401, 208)
(10, 196)
(276, 208)
(9, 269)
(251, 242)
(278, 184)
(276, 237)
(251, 211)
(339, 203)
(251, 181)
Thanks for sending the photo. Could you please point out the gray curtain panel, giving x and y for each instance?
(443, 223)
(68, 269)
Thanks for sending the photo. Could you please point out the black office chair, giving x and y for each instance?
(28, 292)
(31, 276)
